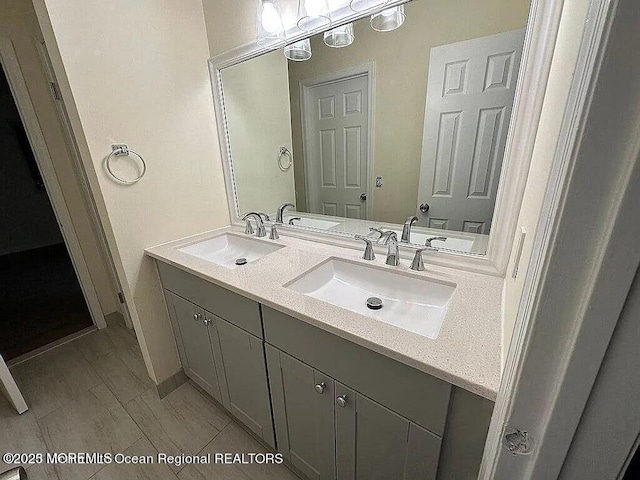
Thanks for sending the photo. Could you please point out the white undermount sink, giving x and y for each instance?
(228, 249)
(412, 303)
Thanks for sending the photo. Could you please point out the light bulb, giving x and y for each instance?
(270, 18)
(313, 7)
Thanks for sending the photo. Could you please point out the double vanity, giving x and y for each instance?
(350, 368)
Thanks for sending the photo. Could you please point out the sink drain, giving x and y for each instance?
(241, 261)
(374, 303)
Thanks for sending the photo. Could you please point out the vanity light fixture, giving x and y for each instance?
(298, 51)
(340, 37)
(388, 19)
(313, 15)
(269, 24)
(366, 5)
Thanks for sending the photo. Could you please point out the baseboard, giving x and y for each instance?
(170, 384)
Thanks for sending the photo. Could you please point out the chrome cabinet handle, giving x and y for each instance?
(207, 321)
(197, 317)
(320, 387)
(341, 401)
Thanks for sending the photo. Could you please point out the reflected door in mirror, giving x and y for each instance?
(336, 147)
(469, 101)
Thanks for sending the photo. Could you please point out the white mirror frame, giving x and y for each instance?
(539, 43)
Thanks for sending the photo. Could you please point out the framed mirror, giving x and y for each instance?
(403, 118)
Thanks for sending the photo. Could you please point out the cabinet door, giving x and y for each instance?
(374, 443)
(245, 378)
(304, 414)
(193, 343)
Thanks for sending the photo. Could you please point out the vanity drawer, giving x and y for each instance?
(415, 395)
(234, 308)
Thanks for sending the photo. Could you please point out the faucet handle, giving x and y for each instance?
(431, 239)
(273, 235)
(418, 263)
(368, 250)
(248, 229)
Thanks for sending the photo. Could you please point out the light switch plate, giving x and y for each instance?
(379, 181)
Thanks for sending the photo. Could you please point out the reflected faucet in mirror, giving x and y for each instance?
(432, 239)
(280, 211)
(406, 229)
(294, 219)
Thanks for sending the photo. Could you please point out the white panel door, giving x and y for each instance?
(336, 137)
(470, 94)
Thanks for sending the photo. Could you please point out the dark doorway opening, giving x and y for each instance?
(40, 297)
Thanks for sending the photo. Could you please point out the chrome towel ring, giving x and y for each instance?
(285, 152)
(118, 150)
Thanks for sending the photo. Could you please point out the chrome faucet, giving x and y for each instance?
(390, 238)
(431, 239)
(406, 229)
(294, 219)
(368, 250)
(281, 211)
(260, 230)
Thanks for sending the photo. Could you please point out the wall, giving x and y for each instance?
(27, 220)
(574, 15)
(256, 97)
(401, 67)
(136, 72)
(18, 23)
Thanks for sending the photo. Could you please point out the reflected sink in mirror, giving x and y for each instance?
(412, 303)
(310, 222)
(226, 249)
(457, 243)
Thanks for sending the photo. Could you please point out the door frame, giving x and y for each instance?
(74, 152)
(17, 84)
(578, 278)
(305, 86)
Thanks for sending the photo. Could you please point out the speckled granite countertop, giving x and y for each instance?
(466, 352)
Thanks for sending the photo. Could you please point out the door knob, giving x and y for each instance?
(197, 316)
(207, 321)
(424, 207)
(363, 196)
(320, 387)
(342, 401)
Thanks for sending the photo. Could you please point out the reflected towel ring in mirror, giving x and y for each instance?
(118, 150)
(286, 164)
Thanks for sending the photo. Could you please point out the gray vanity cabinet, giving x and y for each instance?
(329, 431)
(303, 406)
(219, 338)
(194, 343)
(372, 442)
(246, 389)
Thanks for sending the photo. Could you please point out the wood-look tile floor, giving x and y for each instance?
(93, 395)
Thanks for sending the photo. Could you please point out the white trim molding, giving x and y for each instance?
(540, 38)
(578, 276)
(41, 153)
